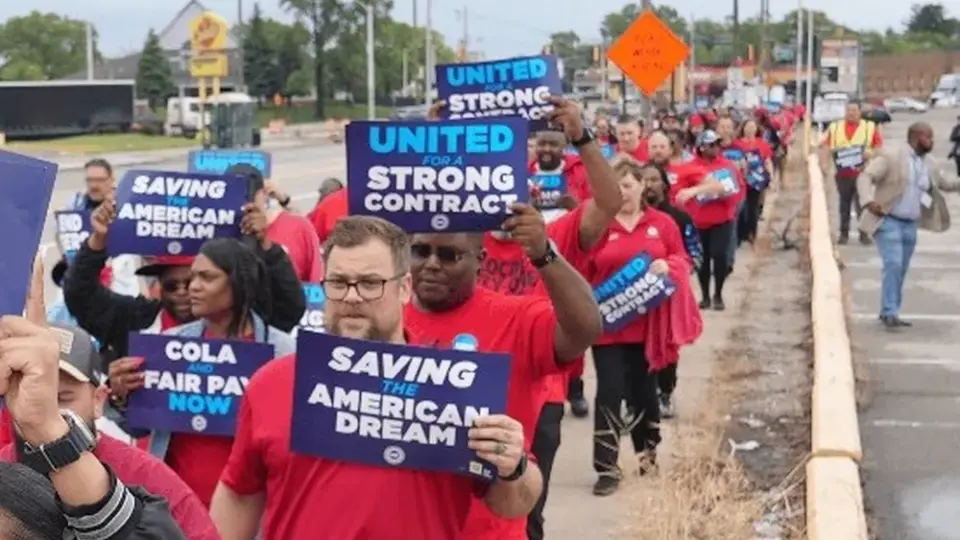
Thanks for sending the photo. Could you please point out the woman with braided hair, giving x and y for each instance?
(230, 299)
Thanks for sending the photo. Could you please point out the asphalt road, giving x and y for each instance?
(911, 428)
(298, 170)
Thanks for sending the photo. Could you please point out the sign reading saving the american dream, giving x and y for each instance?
(218, 161)
(631, 292)
(511, 87)
(728, 180)
(192, 385)
(447, 176)
(312, 318)
(394, 405)
(73, 228)
(174, 213)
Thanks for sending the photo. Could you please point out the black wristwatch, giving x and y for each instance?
(548, 256)
(518, 472)
(585, 138)
(53, 456)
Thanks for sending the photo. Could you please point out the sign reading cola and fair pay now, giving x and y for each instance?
(446, 176)
(648, 52)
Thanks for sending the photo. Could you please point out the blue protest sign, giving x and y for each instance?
(728, 179)
(174, 213)
(73, 228)
(26, 185)
(393, 405)
(192, 385)
(312, 318)
(448, 176)
(757, 176)
(515, 86)
(631, 292)
(218, 161)
(547, 189)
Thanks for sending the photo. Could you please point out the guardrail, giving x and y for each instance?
(835, 509)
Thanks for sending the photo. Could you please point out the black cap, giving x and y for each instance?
(79, 357)
(252, 174)
(58, 271)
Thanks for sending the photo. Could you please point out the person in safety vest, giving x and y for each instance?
(852, 141)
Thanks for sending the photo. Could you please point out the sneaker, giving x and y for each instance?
(579, 407)
(705, 304)
(607, 484)
(666, 407)
(864, 239)
(718, 304)
(844, 239)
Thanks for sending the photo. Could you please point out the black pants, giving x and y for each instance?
(716, 241)
(623, 374)
(750, 217)
(546, 441)
(667, 379)
(849, 199)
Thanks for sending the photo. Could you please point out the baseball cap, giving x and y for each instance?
(79, 357)
(252, 175)
(158, 264)
(707, 137)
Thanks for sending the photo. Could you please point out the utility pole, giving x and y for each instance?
(428, 61)
(240, 44)
(371, 66)
(736, 29)
(90, 68)
(798, 51)
(808, 105)
(604, 64)
(691, 87)
(415, 2)
(762, 62)
(646, 110)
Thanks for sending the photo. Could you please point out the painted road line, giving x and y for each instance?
(913, 424)
(936, 317)
(916, 362)
(875, 264)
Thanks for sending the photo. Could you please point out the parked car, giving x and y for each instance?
(878, 115)
(904, 104)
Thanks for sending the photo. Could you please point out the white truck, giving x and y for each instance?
(183, 114)
(947, 91)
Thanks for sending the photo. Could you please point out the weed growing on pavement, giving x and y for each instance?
(702, 491)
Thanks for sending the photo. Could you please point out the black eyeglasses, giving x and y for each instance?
(368, 289)
(445, 254)
(171, 285)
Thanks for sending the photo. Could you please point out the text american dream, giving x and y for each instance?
(176, 218)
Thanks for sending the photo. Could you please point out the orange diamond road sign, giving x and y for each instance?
(648, 52)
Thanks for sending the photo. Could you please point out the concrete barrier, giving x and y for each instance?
(834, 496)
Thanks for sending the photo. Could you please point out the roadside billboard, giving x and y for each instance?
(840, 66)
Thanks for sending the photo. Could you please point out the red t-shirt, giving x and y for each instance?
(656, 233)
(713, 212)
(299, 240)
(200, 459)
(683, 175)
(328, 212)
(309, 498)
(641, 153)
(522, 326)
(134, 467)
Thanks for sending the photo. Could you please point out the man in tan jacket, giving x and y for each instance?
(900, 191)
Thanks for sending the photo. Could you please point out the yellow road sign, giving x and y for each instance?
(211, 64)
(208, 32)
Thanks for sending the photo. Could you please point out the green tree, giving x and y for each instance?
(259, 59)
(43, 46)
(154, 76)
(291, 44)
(931, 19)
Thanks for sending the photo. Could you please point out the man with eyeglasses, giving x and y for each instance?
(367, 283)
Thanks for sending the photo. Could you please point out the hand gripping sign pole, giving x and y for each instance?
(208, 42)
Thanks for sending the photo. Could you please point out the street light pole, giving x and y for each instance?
(799, 50)
(428, 61)
(808, 104)
(371, 67)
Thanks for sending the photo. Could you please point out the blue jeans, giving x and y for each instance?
(896, 240)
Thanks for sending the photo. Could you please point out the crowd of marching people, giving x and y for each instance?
(630, 233)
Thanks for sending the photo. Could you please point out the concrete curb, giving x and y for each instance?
(834, 495)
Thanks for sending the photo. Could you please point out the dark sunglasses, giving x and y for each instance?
(445, 254)
(171, 285)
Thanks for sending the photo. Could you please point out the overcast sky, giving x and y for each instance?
(501, 28)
